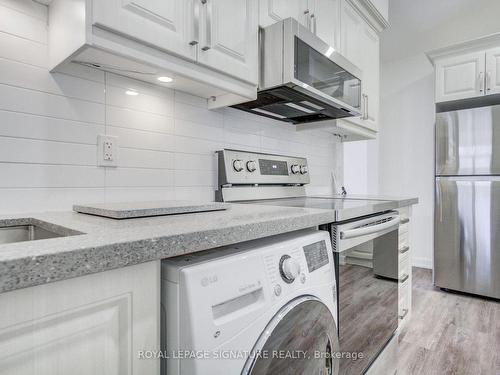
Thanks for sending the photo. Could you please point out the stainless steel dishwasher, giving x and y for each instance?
(367, 291)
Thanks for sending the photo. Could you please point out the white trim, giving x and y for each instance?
(370, 14)
(481, 43)
(422, 262)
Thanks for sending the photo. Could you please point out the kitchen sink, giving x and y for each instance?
(31, 232)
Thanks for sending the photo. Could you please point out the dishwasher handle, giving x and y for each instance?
(391, 221)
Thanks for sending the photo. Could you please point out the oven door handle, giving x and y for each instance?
(370, 229)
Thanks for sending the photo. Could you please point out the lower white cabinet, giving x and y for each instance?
(405, 269)
(95, 324)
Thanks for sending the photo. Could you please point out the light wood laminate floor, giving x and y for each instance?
(449, 333)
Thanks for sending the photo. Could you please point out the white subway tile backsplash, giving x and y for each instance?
(23, 50)
(117, 96)
(48, 176)
(130, 177)
(138, 158)
(141, 139)
(36, 78)
(40, 103)
(46, 199)
(20, 24)
(20, 150)
(49, 123)
(128, 118)
(22, 125)
(198, 115)
(194, 130)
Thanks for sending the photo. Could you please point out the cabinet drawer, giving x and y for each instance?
(404, 227)
(404, 264)
(403, 239)
(404, 213)
(404, 307)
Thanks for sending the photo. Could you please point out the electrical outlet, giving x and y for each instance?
(107, 151)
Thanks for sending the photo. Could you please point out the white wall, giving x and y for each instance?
(49, 125)
(406, 145)
(407, 113)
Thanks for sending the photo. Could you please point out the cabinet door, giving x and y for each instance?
(229, 38)
(460, 77)
(493, 71)
(272, 11)
(95, 324)
(166, 25)
(371, 77)
(325, 20)
(360, 44)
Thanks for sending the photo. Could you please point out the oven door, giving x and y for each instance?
(366, 258)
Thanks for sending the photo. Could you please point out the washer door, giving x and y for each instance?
(300, 339)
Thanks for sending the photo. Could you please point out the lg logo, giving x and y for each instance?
(205, 281)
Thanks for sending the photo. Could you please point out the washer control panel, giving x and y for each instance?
(242, 167)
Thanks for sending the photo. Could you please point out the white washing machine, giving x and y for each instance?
(262, 307)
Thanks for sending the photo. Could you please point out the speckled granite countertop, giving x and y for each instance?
(108, 243)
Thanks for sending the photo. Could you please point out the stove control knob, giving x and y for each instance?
(251, 166)
(295, 168)
(238, 165)
(289, 269)
(303, 169)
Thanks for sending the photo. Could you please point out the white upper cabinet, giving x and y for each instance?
(324, 20)
(467, 70)
(493, 71)
(208, 47)
(360, 44)
(271, 11)
(460, 77)
(167, 25)
(229, 37)
(320, 16)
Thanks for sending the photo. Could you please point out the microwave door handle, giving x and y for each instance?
(371, 229)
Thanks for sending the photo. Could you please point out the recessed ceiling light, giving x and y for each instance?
(131, 93)
(165, 79)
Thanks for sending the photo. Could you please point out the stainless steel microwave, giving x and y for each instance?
(303, 79)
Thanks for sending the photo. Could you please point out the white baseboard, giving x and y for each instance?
(422, 262)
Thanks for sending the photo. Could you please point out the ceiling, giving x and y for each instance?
(411, 21)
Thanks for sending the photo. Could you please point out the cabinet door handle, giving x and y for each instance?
(403, 315)
(365, 107)
(367, 110)
(308, 19)
(314, 24)
(481, 82)
(488, 81)
(208, 35)
(403, 278)
(196, 25)
(404, 249)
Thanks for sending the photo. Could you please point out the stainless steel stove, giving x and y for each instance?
(277, 180)
(364, 240)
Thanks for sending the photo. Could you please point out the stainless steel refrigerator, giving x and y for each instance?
(467, 201)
